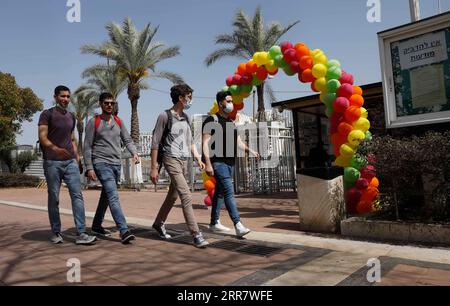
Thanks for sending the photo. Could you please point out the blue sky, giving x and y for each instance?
(42, 50)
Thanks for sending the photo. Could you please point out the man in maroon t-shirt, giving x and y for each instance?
(61, 162)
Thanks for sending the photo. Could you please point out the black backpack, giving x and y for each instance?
(167, 129)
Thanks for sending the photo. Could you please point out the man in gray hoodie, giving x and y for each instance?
(102, 152)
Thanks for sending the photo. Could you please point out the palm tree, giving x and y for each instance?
(105, 78)
(249, 36)
(84, 102)
(136, 57)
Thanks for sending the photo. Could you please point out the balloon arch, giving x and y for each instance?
(344, 108)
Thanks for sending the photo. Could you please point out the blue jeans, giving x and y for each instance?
(224, 192)
(109, 175)
(55, 171)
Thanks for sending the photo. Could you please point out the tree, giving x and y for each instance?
(84, 102)
(136, 57)
(16, 106)
(249, 36)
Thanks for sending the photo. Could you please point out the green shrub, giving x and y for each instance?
(18, 180)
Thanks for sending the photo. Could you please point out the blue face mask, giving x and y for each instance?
(188, 105)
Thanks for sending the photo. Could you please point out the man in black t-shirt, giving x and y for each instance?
(220, 135)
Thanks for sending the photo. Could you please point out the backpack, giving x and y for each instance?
(167, 129)
(98, 120)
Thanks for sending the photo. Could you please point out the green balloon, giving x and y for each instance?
(368, 136)
(256, 81)
(226, 88)
(274, 51)
(235, 89)
(334, 73)
(358, 162)
(329, 112)
(333, 63)
(246, 88)
(333, 85)
(351, 175)
(329, 99)
(288, 71)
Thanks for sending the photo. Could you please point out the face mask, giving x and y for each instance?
(228, 108)
(188, 105)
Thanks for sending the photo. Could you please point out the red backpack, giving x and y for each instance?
(98, 119)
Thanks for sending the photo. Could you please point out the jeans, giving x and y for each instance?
(55, 171)
(109, 175)
(223, 173)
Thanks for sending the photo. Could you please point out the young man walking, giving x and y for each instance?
(221, 163)
(62, 162)
(102, 153)
(172, 139)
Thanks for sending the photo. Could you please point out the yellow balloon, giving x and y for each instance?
(270, 66)
(265, 58)
(320, 59)
(362, 124)
(355, 137)
(342, 161)
(205, 177)
(364, 113)
(319, 71)
(321, 84)
(346, 151)
(315, 52)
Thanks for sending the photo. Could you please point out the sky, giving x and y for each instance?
(42, 49)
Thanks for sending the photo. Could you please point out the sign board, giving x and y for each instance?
(415, 65)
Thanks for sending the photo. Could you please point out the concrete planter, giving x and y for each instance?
(396, 231)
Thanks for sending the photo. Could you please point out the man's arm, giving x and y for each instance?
(157, 135)
(205, 146)
(243, 146)
(46, 143)
(128, 142)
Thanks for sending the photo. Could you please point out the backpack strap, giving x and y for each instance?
(98, 120)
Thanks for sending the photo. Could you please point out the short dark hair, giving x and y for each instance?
(60, 88)
(104, 96)
(179, 90)
(221, 95)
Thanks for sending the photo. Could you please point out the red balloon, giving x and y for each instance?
(344, 128)
(251, 67)
(345, 90)
(237, 79)
(211, 193)
(353, 196)
(313, 87)
(295, 66)
(352, 113)
(242, 68)
(207, 201)
(261, 73)
(306, 62)
(290, 55)
(247, 79)
(286, 45)
(229, 81)
(340, 105)
(362, 184)
(368, 173)
(307, 76)
(239, 106)
(346, 78)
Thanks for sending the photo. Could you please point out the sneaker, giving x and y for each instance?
(241, 230)
(84, 238)
(101, 231)
(161, 230)
(127, 237)
(219, 228)
(199, 241)
(56, 238)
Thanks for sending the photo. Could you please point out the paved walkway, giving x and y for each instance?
(275, 253)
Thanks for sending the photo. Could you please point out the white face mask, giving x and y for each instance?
(188, 104)
(228, 108)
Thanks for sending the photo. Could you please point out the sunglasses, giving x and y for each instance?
(109, 103)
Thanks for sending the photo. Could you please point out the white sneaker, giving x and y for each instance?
(219, 228)
(241, 230)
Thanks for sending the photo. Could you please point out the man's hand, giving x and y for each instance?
(91, 175)
(255, 154)
(200, 163)
(154, 175)
(209, 170)
(136, 159)
(62, 153)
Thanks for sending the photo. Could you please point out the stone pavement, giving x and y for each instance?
(274, 253)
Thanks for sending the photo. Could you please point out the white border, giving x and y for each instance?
(384, 42)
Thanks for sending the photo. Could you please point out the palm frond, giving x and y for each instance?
(173, 77)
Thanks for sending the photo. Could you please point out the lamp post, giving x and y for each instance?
(414, 9)
(254, 104)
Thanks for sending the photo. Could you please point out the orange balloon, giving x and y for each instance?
(302, 50)
(242, 68)
(306, 62)
(356, 100)
(251, 66)
(357, 90)
(369, 194)
(374, 182)
(352, 113)
(239, 106)
(307, 76)
(364, 207)
(344, 128)
(209, 185)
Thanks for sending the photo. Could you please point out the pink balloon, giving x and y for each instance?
(207, 201)
(229, 81)
(286, 45)
(368, 173)
(345, 91)
(346, 78)
(341, 104)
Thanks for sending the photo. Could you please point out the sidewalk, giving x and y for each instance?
(275, 253)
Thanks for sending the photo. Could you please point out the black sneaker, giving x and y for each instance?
(161, 230)
(199, 241)
(101, 231)
(127, 237)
